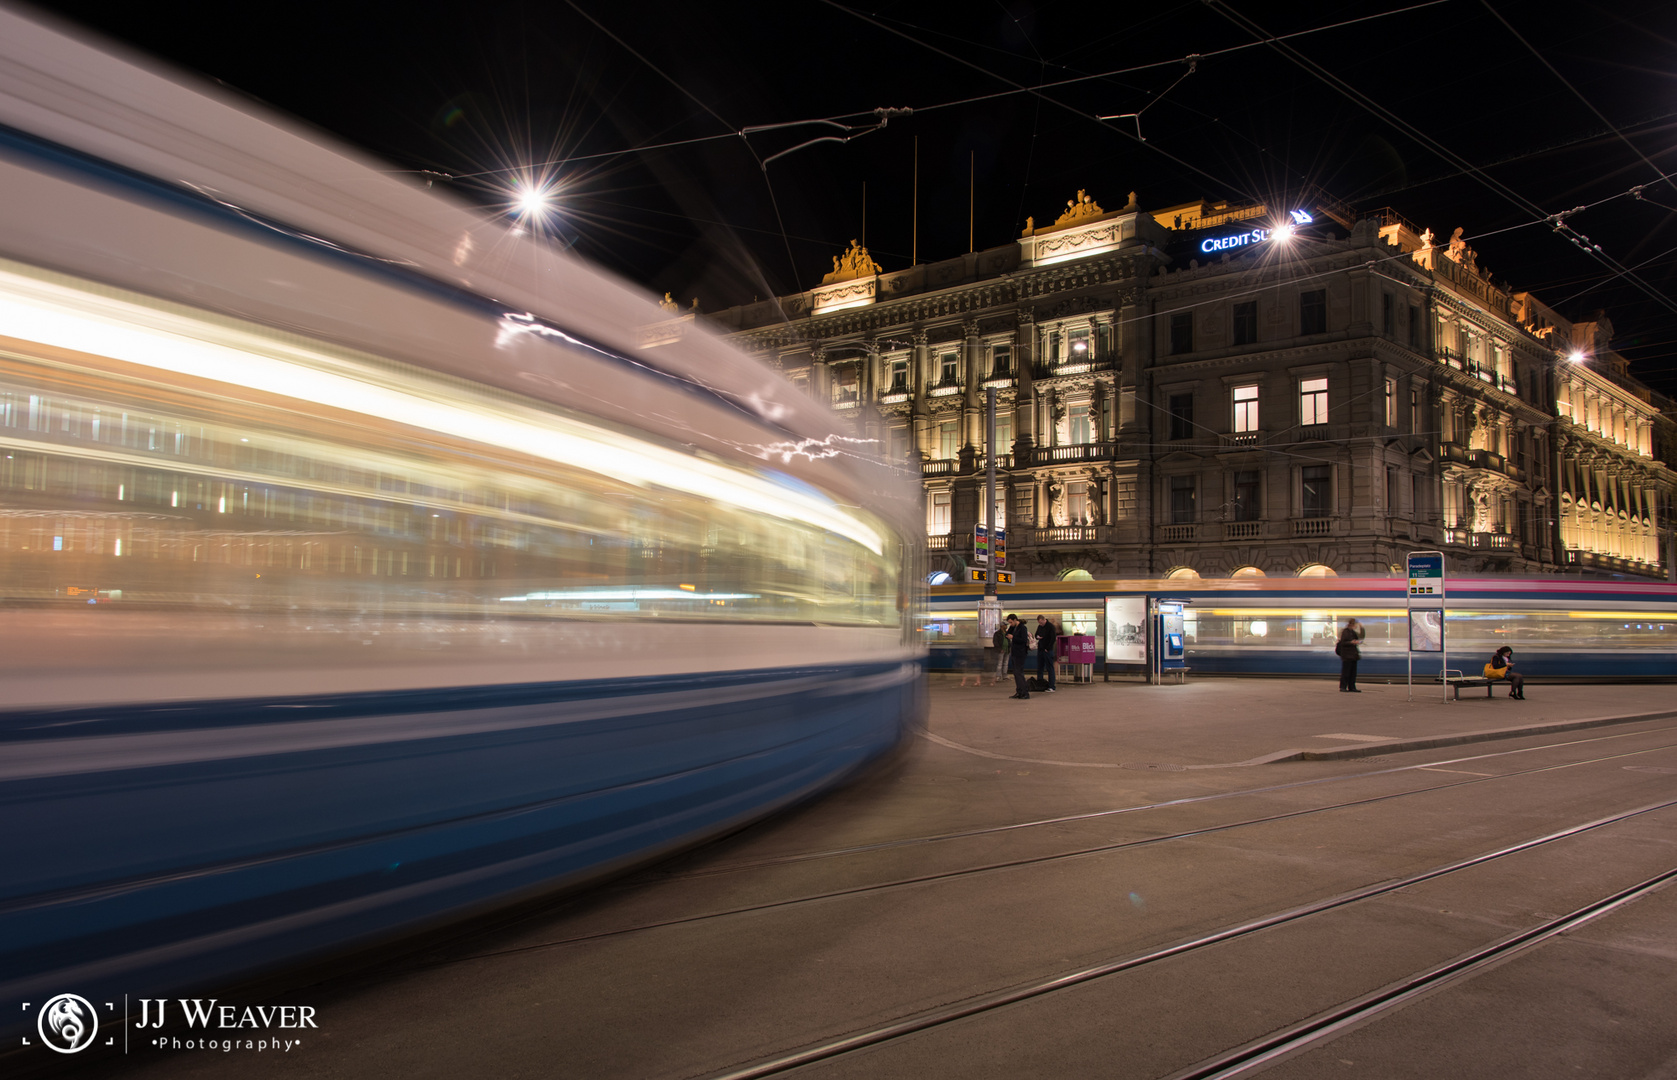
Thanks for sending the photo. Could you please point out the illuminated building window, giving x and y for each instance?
(899, 375)
(948, 440)
(1078, 423)
(1391, 402)
(1077, 501)
(1001, 361)
(1313, 401)
(846, 381)
(1245, 409)
(949, 369)
(937, 514)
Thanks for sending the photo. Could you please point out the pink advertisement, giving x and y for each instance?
(1077, 649)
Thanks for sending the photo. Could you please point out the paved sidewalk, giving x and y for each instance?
(1222, 723)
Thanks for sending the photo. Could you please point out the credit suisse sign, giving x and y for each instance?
(1255, 236)
(1224, 243)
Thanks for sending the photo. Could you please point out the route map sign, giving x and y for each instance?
(982, 547)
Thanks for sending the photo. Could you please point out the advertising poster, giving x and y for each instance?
(1126, 633)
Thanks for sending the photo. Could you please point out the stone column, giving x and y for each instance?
(1024, 401)
(820, 386)
(867, 410)
(918, 380)
(1132, 341)
(972, 413)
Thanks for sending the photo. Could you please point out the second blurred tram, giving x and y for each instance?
(1563, 628)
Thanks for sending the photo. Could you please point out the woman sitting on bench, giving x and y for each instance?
(1502, 667)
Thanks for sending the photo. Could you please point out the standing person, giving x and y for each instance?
(1502, 667)
(999, 640)
(1349, 654)
(1046, 634)
(1019, 643)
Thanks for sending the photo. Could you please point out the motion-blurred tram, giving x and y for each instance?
(364, 562)
(1559, 627)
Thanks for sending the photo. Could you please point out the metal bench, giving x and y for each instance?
(1457, 680)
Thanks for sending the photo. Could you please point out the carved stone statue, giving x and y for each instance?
(855, 263)
(668, 304)
(1030, 226)
(1458, 246)
(1094, 504)
(1426, 240)
(1056, 503)
(1080, 209)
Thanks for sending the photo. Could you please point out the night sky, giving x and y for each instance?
(1489, 116)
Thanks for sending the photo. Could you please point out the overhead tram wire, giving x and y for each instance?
(1557, 221)
(1577, 93)
(791, 262)
(1037, 92)
(954, 103)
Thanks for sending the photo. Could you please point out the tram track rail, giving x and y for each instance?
(1260, 1053)
(1027, 861)
(1093, 815)
(1252, 1055)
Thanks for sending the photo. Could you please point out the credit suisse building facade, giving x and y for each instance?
(1220, 390)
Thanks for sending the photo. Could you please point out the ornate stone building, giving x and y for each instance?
(1204, 389)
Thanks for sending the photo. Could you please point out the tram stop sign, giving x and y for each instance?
(1426, 575)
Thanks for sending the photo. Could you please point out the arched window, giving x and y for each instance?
(1182, 573)
(1247, 571)
(1316, 569)
(1076, 574)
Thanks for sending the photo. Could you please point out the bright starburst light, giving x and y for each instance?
(532, 203)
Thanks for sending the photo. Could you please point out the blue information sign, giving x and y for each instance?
(1426, 575)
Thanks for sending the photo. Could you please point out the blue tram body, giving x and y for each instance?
(365, 562)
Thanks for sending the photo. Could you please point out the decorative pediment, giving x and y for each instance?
(844, 294)
(1084, 229)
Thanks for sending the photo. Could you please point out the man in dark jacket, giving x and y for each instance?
(1349, 654)
(1046, 635)
(1019, 641)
